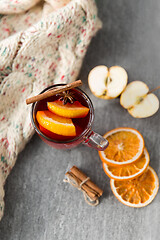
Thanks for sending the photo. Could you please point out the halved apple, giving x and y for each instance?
(107, 83)
(138, 101)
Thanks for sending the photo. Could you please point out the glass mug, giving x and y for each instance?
(87, 136)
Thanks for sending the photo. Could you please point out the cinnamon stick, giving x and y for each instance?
(92, 195)
(92, 190)
(92, 186)
(53, 92)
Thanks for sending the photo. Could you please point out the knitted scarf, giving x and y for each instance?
(41, 43)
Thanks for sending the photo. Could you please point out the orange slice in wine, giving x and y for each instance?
(69, 110)
(56, 124)
(54, 136)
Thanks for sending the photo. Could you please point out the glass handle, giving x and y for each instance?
(94, 140)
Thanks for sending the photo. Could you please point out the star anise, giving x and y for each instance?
(66, 97)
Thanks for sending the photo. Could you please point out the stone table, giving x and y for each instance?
(39, 206)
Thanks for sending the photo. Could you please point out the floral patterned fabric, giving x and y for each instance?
(41, 43)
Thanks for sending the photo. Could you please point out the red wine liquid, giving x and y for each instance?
(79, 123)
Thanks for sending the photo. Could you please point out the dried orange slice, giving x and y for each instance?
(69, 110)
(138, 192)
(56, 124)
(126, 145)
(128, 171)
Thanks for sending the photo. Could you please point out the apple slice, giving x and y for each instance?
(107, 83)
(138, 101)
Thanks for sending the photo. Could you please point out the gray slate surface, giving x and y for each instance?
(39, 206)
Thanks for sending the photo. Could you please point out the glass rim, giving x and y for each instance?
(86, 130)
